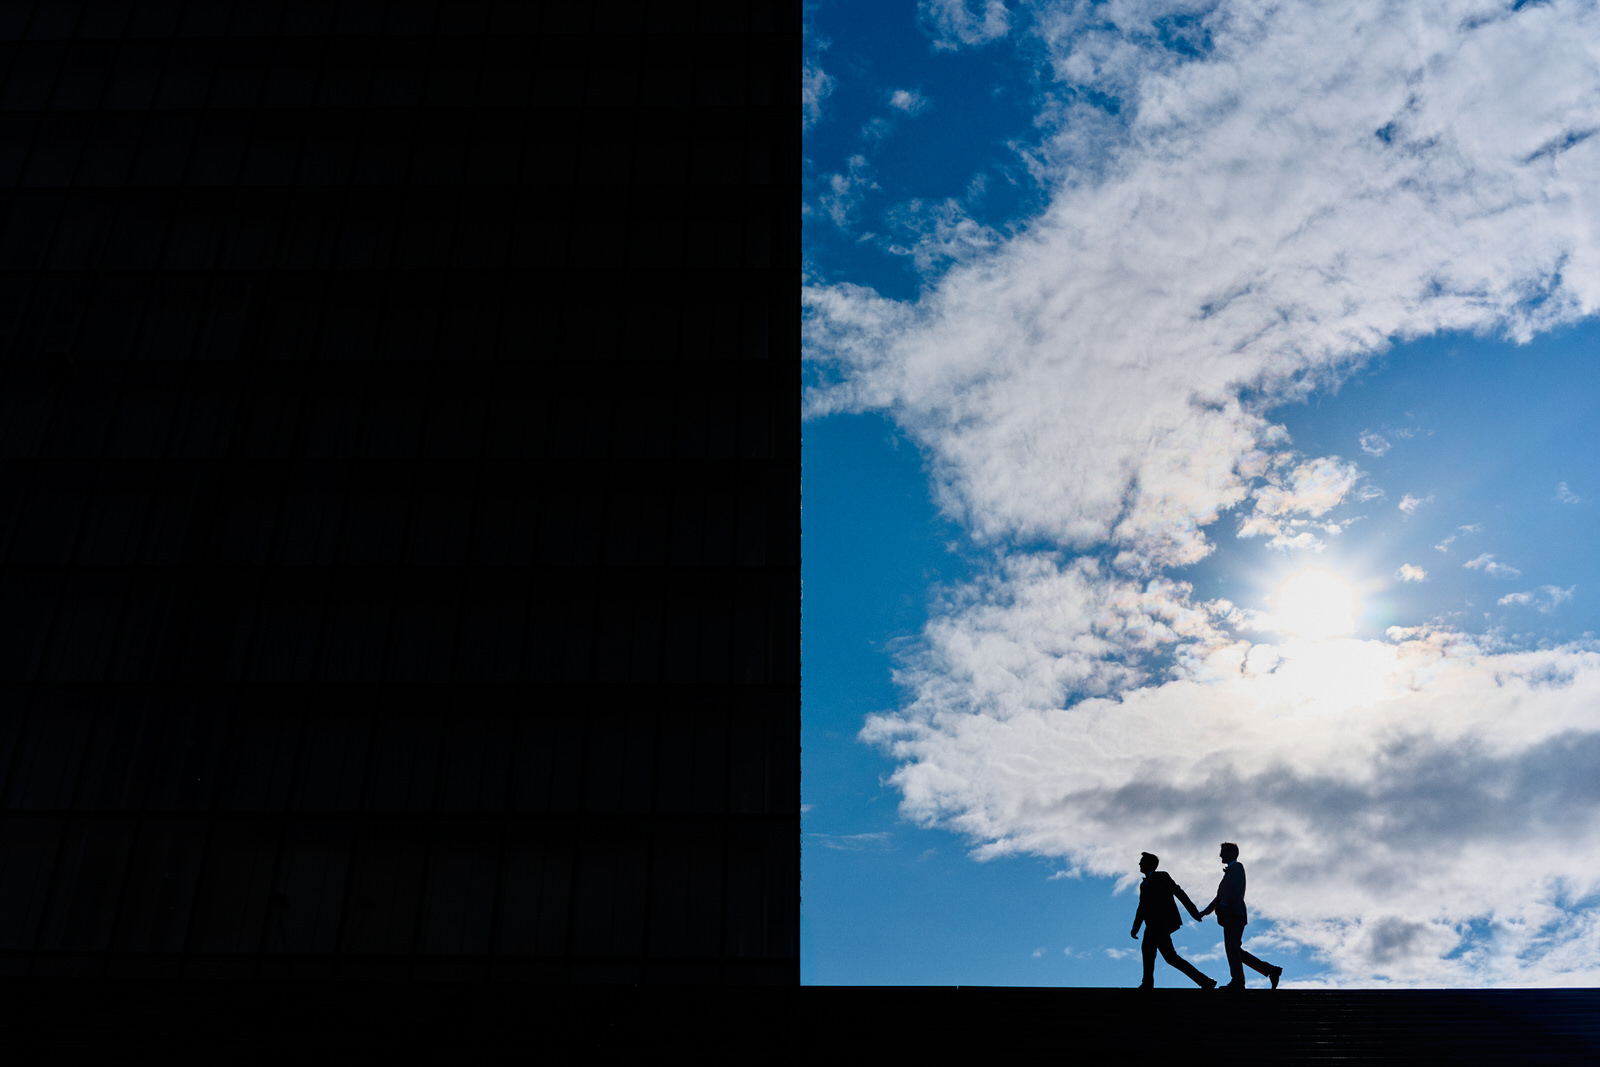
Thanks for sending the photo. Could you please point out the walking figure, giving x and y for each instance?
(1158, 913)
(1232, 917)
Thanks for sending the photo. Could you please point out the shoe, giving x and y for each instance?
(1208, 983)
(1277, 973)
(1237, 987)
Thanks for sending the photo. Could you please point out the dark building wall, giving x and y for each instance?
(399, 563)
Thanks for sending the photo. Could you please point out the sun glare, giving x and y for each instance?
(1315, 604)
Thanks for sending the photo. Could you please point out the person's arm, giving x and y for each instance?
(1211, 907)
(1187, 903)
(1138, 915)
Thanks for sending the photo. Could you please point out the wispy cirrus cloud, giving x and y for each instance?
(957, 24)
(1409, 504)
(940, 232)
(841, 200)
(1545, 599)
(873, 842)
(1486, 563)
(816, 85)
(1473, 528)
(903, 104)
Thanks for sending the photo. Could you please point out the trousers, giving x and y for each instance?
(1154, 942)
(1238, 958)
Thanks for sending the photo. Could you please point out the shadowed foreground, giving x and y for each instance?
(77, 1021)
(1190, 1025)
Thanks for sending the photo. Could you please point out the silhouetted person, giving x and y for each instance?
(1232, 917)
(1158, 912)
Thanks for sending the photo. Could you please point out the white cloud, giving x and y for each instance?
(954, 24)
(1546, 598)
(1305, 539)
(1249, 224)
(942, 232)
(908, 100)
(1565, 495)
(842, 198)
(876, 129)
(1282, 530)
(1409, 504)
(1410, 572)
(874, 842)
(1374, 444)
(1487, 565)
(816, 85)
(1472, 528)
(1258, 525)
(1242, 233)
(1340, 771)
(1314, 488)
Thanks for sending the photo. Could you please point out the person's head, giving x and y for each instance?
(1148, 862)
(1230, 852)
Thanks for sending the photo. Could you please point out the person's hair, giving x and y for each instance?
(1231, 849)
(1155, 861)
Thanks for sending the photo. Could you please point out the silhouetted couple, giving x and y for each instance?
(1158, 914)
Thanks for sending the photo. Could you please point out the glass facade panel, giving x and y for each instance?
(398, 555)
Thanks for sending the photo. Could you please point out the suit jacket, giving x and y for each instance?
(1229, 902)
(1157, 908)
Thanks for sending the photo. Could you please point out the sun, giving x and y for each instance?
(1320, 667)
(1315, 605)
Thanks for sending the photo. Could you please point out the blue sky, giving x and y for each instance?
(1200, 446)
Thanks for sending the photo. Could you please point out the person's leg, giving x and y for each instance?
(1255, 964)
(1231, 936)
(1170, 954)
(1149, 949)
(1261, 966)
